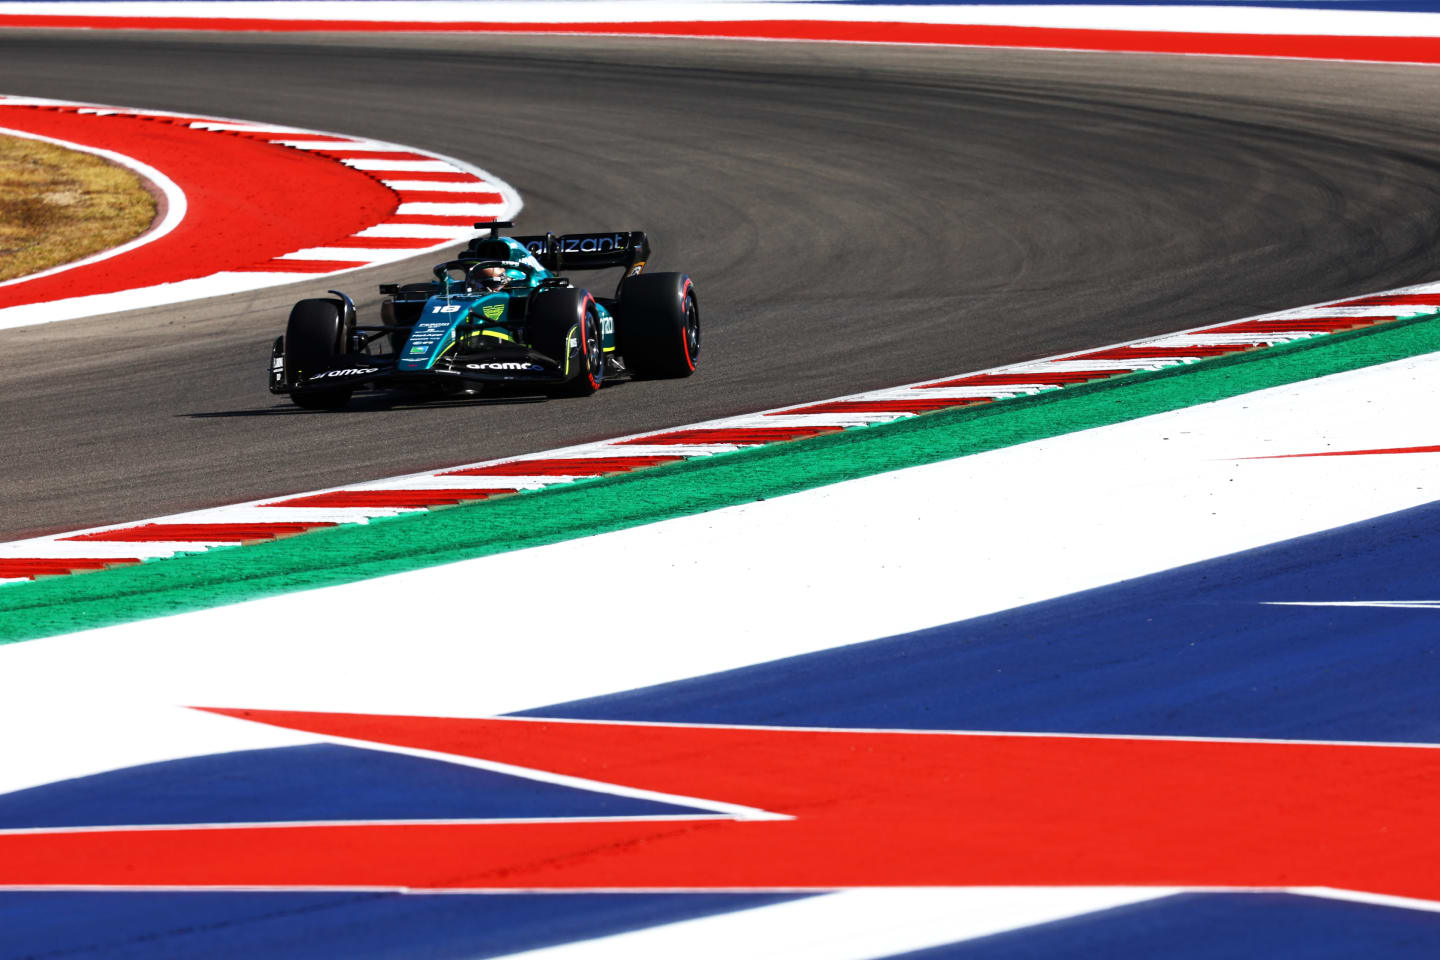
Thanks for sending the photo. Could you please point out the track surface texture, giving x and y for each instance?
(854, 217)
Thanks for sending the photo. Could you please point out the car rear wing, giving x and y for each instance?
(628, 249)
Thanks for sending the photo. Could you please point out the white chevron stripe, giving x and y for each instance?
(402, 166)
(439, 186)
(452, 209)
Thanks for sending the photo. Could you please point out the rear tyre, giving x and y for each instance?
(314, 338)
(659, 325)
(564, 325)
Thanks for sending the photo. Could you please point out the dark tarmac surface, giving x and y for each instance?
(854, 218)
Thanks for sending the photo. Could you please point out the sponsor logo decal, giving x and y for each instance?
(585, 243)
(347, 372)
(414, 350)
(508, 365)
(494, 311)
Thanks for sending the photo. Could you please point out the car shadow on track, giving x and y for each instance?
(375, 402)
(366, 405)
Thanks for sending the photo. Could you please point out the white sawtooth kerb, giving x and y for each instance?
(57, 547)
(229, 282)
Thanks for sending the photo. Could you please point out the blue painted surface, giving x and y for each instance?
(319, 782)
(1190, 652)
(1212, 926)
(304, 926)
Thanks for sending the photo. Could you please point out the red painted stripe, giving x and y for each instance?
(1323, 324)
(279, 265)
(921, 405)
(444, 196)
(1381, 49)
(743, 436)
(1161, 353)
(389, 498)
(383, 243)
(362, 154)
(301, 135)
(197, 532)
(1011, 379)
(440, 176)
(224, 226)
(438, 219)
(563, 467)
(1394, 300)
(865, 809)
(11, 568)
(1346, 453)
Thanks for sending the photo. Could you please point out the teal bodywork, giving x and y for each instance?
(476, 320)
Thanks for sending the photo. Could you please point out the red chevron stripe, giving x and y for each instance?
(47, 566)
(383, 243)
(280, 265)
(920, 405)
(740, 436)
(363, 154)
(563, 467)
(389, 498)
(199, 532)
(1008, 379)
(1346, 453)
(1322, 324)
(441, 176)
(445, 196)
(1393, 300)
(1159, 353)
(437, 219)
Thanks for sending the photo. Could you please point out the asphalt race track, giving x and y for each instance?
(854, 217)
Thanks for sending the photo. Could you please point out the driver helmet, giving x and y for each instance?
(492, 279)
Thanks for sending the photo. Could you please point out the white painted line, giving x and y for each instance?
(402, 166)
(341, 146)
(242, 127)
(854, 924)
(452, 209)
(439, 186)
(352, 254)
(419, 231)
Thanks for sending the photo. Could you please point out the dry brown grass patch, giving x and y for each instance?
(58, 205)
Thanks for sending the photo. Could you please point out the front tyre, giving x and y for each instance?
(564, 325)
(315, 338)
(659, 325)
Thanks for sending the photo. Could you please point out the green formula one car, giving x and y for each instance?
(501, 316)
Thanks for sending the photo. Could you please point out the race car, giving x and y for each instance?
(500, 316)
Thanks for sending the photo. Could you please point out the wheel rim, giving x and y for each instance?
(692, 328)
(594, 348)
